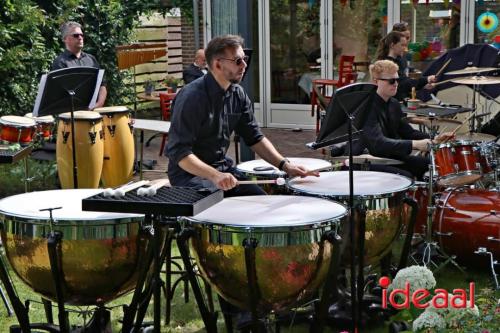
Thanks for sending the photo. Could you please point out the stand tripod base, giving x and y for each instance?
(432, 256)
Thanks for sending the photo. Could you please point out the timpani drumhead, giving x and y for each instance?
(366, 183)
(267, 211)
(257, 166)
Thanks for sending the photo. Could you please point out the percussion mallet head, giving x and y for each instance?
(280, 181)
(151, 190)
(109, 192)
(122, 190)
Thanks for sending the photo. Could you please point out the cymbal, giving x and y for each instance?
(482, 137)
(471, 70)
(367, 158)
(436, 121)
(477, 80)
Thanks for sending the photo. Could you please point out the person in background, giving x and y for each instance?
(196, 69)
(205, 114)
(392, 47)
(404, 29)
(387, 134)
(73, 56)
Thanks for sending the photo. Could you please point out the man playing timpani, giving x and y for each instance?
(205, 113)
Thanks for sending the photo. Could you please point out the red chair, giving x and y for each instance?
(165, 106)
(347, 75)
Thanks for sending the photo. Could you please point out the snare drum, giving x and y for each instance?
(456, 163)
(44, 126)
(101, 252)
(466, 220)
(89, 148)
(15, 129)
(291, 256)
(381, 193)
(118, 162)
(261, 170)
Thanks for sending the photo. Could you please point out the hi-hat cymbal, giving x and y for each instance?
(478, 80)
(434, 121)
(367, 158)
(478, 137)
(471, 70)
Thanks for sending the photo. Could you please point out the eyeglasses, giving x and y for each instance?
(390, 81)
(238, 61)
(77, 35)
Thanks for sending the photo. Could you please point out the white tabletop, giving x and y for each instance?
(160, 126)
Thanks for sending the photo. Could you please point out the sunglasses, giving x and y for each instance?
(77, 35)
(238, 61)
(390, 81)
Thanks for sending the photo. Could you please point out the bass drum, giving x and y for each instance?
(101, 252)
(291, 258)
(466, 220)
(381, 193)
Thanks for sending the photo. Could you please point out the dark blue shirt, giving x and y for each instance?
(203, 118)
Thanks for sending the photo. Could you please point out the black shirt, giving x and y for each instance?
(203, 118)
(68, 59)
(406, 83)
(385, 131)
(191, 73)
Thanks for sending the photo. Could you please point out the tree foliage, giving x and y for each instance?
(31, 40)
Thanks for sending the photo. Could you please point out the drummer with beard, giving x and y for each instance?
(204, 115)
(385, 131)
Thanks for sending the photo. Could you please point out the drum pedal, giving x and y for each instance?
(493, 263)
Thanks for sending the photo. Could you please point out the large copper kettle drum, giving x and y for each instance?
(291, 257)
(101, 252)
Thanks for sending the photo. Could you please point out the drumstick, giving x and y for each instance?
(443, 67)
(278, 181)
(151, 190)
(122, 190)
(459, 126)
(445, 81)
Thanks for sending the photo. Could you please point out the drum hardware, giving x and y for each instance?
(161, 209)
(493, 263)
(92, 136)
(367, 159)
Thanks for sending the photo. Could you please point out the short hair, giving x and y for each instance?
(381, 66)
(400, 26)
(218, 46)
(66, 27)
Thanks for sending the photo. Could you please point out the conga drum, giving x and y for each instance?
(118, 163)
(101, 253)
(381, 193)
(89, 147)
(261, 170)
(16, 129)
(291, 257)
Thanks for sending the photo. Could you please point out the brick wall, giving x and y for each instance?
(187, 32)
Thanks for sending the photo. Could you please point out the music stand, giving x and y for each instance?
(68, 89)
(347, 111)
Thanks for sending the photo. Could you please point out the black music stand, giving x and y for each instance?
(68, 89)
(347, 111)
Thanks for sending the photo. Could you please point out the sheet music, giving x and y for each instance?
(96, 91)
(41, 88)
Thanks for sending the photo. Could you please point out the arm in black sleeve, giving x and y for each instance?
(380, 145)
(247, 126)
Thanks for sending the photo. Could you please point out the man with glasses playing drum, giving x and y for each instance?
(387, 134)
(205, 113)
(73, 56)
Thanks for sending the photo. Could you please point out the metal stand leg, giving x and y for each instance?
(361, 254)
(6, 303)
(47, 306)
(330, 284)
(253, 289)
(403, 260)
(209, 318)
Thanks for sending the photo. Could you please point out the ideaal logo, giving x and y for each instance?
(440, 300)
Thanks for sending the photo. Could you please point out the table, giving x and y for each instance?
(155, 96)
(159, 126)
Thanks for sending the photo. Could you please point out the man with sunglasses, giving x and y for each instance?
(73, 56)
(385, 131)
(204, 115)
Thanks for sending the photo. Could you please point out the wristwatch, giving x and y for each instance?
(282, 164)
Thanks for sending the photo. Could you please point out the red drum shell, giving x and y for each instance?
(15, 129)
(456, 163)
(465, 220)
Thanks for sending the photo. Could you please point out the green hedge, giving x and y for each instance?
(30, 41)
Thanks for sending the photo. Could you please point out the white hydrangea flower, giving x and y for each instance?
(428, 319)
(451, 313)
(419, 277)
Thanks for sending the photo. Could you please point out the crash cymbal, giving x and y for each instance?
(367, 158)
(434, 121)
(478, 80)
(478, 137)
(471, 70)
